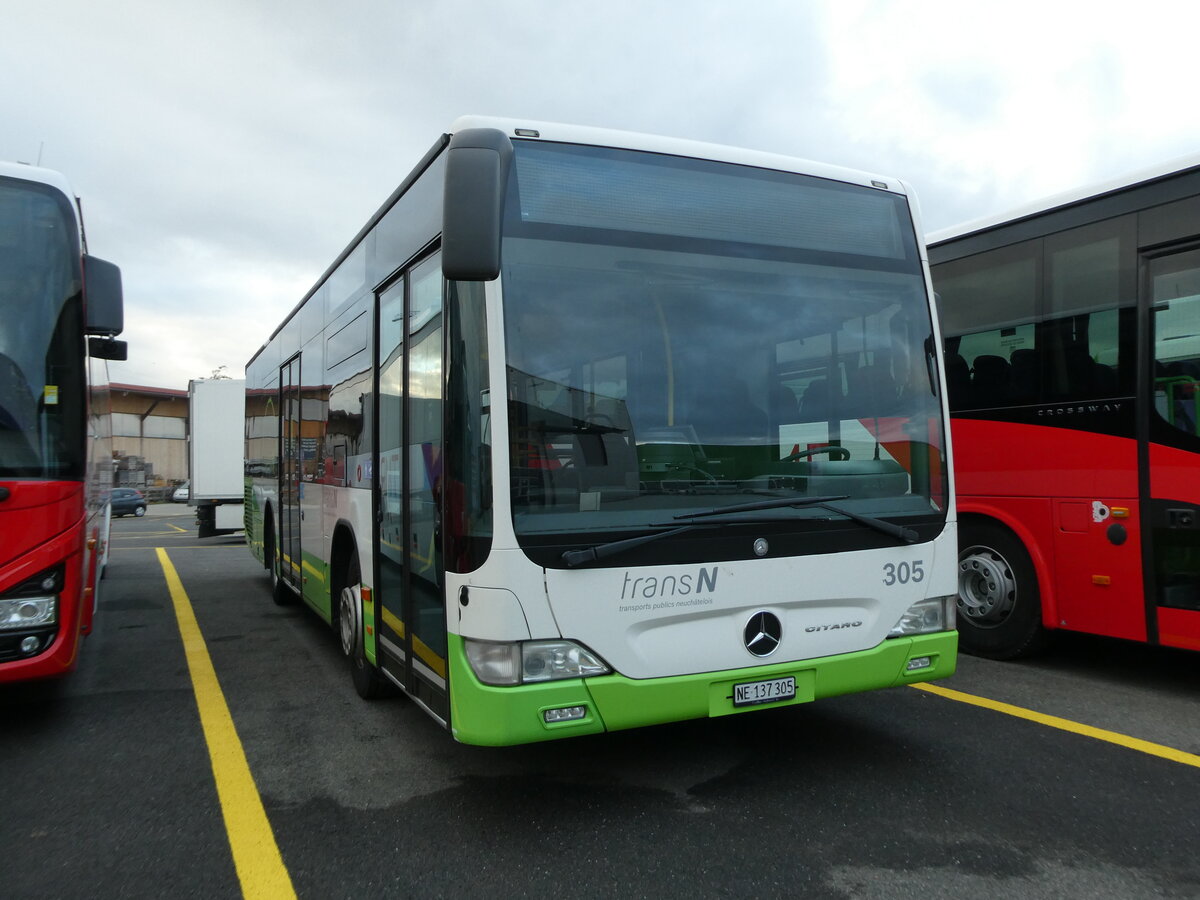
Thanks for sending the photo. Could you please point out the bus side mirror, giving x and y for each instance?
(107, 348)
(102, 297)
(477, 166)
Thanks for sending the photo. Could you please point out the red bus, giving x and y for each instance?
(59, 311)
(1072, 337)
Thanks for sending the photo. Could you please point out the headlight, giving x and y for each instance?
(27, 612)
(927, 616)
(32, 603)
(524, 662)
(551, 660)
(495, 663)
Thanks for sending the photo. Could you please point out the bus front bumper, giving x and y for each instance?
(501, 716)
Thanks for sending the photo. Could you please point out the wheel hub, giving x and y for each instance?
(346, 617)
(987, 589)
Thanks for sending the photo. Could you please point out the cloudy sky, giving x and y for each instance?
(227, 150)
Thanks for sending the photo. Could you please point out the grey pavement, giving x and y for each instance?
(171, 509)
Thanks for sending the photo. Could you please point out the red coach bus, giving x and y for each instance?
(55, 447)
(1072, 334)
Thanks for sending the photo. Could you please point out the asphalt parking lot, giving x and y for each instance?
(1073, 775)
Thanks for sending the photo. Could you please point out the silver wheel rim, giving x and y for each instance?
(346, 622)
(987, 588)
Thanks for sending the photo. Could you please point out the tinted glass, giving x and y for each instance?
(671, 360)
(42, 396)
(1044, 321)
(1175, 314)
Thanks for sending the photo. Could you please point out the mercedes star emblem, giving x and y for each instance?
(763, 633)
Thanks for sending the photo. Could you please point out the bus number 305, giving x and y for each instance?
(903, 573)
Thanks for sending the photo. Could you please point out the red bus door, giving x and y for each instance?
(1170, 456)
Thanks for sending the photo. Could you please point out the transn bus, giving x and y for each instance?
(1072, 339)
(60, 309)
(588, 430)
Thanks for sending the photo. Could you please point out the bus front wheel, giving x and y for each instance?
(368, 681)
(999, 604)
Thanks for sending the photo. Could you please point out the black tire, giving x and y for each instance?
(369, 682)
(999, 603)
(139, 511)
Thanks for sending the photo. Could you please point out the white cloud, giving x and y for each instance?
(226, 152)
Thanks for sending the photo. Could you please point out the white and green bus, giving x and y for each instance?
(588, 430)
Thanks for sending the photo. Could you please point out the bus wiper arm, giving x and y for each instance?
(574, 558)
(908, 535)
(777, 503)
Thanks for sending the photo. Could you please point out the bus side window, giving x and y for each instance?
(1089, 322)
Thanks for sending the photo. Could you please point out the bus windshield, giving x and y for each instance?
(42, 403)
(684, 335)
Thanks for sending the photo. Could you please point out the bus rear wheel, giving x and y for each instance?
(999, 604)
(368, 681)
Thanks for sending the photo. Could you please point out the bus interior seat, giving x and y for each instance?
(958, 378)
(990, 380)
(1077, 364)
(1023, 368)
(1106, 379)
(785, 409)
(814, 404)
(873, 391)
(1085, 377)
(606, 462)
(726, 414)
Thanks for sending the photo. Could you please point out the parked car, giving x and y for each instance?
(128, 500)
(181, 494)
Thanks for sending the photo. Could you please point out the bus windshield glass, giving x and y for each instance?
(684, 335)
(42, 403)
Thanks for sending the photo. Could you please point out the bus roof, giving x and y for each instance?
(25, 172)
(629, 140)
(1067, 199)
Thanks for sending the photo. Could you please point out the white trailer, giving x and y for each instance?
(216, 445)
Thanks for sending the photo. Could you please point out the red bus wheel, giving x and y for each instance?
(999, 604)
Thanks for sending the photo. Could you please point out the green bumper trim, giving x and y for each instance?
(628, 703)
(499, 716)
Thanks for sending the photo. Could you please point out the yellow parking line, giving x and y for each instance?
(256, 856)
(144, 535)
(239, 547)
(1100, 734)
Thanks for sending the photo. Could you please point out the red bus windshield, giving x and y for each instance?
(42, 402)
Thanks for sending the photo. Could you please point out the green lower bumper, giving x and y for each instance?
(499, 716)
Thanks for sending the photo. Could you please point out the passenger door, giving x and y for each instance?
(412, 633)
(291, 482)
(1171, 454)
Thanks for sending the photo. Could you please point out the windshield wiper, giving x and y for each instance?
(728, 516)
(908, 535)
(574, 558)
(776, 502)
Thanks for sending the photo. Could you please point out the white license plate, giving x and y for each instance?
(751, 692)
